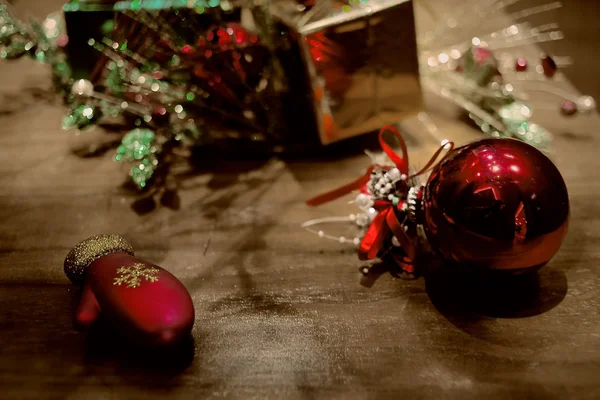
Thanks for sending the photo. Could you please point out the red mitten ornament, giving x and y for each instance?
(140, 300)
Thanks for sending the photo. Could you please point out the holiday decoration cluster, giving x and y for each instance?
(182, 74)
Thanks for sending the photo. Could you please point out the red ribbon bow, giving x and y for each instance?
(386, 222)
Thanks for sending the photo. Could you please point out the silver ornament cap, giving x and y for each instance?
(91, 249)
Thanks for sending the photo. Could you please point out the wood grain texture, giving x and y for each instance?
(279, 312)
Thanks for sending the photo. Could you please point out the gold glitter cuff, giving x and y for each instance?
(88, 251)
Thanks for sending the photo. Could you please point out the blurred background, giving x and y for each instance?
(578, 19)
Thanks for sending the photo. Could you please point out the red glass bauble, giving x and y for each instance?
(496, 203)
(521, 64)
(549, 66)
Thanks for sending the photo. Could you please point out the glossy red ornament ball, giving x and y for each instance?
(498, 204)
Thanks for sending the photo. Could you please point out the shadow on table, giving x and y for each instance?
(16, 102)
(466, 295)
(224, 162)
(143, 366)
(460, 292)
(227, 171)
(371, 274)
(230, 167)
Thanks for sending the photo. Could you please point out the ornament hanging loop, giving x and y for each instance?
(446, 145)
(401, 162)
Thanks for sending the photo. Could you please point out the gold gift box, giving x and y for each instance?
(360, 60)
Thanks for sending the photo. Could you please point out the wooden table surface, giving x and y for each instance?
(279, 312)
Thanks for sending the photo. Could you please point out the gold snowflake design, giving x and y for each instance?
(133, 275)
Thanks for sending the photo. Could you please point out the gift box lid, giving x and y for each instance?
(327, 13)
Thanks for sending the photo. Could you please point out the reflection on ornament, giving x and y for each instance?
(329, 125)
(498, 204)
